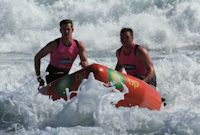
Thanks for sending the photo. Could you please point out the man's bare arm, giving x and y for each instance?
(42, 53)
(83, 55)
(146, 59)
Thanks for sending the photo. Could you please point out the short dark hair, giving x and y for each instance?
(127, 30)
(66, 22)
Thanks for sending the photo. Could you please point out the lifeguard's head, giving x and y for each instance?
(126, 36)
(66, 27)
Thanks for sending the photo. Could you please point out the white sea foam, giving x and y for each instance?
(169, 29)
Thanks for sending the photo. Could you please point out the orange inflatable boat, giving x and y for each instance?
(140, 93)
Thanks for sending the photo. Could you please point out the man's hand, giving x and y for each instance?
(41, 81)
(84, 64)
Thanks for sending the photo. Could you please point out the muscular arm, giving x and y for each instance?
(118, 67)
(42, 53)
(146, 59)
(83, 55)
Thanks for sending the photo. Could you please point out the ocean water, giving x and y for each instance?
(169, 29)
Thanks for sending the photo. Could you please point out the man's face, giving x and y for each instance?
(66, 29)
(126, 38)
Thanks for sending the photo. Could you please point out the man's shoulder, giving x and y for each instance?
(141, 50)
(79, 44)
(53, 44)
(55, 41)
(119, 50)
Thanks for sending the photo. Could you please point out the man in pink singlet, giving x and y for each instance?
(63, 51)
(134, 58)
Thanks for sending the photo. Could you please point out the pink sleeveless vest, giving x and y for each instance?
(131, 63)
(63, 57)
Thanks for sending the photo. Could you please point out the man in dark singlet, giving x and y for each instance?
(134, 58)
(63, 51)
